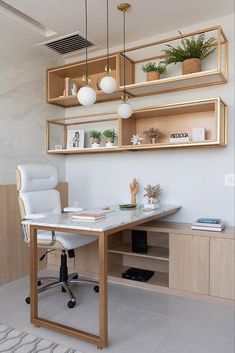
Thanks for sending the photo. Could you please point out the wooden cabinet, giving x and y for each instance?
(222, 265)
(189, 263)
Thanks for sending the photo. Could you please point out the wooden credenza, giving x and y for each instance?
(186, 262)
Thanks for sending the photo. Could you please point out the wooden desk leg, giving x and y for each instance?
(33, 274)
(103, 305)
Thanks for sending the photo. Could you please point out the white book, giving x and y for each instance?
(208, 228)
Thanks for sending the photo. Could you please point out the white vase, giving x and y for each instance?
(95, 145)
(152, 206)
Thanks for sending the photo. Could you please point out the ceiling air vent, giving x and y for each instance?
(69, 44)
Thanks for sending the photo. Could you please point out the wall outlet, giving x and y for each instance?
(229, 180)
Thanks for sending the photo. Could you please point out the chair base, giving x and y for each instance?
(65, 286)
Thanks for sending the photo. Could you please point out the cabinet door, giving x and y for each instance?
(222, 268)
(189, 263)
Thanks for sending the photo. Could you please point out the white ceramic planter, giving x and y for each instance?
(109, 144)
(95, 145)
(153, 206)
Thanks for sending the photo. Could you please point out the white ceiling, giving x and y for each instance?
(146, 18)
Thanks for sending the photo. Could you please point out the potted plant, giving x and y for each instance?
(96, 137)
(153, 195)
(191, 52)
(109, 135)
(152, 134)
(154, 70)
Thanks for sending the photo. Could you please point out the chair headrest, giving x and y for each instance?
(35, 177)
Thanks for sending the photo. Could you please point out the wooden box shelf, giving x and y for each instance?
(75, 72)
(210, 114)
(214, 71)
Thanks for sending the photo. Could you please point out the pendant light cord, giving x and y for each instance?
(86, 42)
(124, 54)
(107, 36)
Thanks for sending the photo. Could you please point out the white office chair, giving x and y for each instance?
(37, 197)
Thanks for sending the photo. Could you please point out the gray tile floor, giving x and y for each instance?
(139, 321)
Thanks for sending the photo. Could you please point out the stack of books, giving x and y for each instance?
(212, 224)
(89, 217)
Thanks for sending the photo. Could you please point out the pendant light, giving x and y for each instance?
(108, 84)
(125, 109)
(86, 95)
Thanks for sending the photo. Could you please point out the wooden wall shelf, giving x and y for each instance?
(214, 71)
(171, 118)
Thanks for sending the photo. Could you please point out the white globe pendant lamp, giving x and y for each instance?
(125, 110)
(108, 84)
(86, 95)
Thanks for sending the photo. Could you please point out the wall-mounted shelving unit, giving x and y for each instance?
(214, 71)
(171, 118)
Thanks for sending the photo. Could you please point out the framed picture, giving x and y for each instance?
(75, 139)
(198, 133)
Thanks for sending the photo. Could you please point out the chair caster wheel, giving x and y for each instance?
(71, 304)
(27, 300)
(39, 283)
(63, 290)
(96, 289)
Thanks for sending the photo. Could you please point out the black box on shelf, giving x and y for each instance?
(137, 274)
(139, 241)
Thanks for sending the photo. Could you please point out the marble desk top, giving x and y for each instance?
(113, 219)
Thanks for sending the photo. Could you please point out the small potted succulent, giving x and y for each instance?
(153, 195)
(152, 134)
(191, 52)
(109, 135)
(96, 137)
(154, 70)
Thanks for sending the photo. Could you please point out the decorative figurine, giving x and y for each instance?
(136, 139)
(134, 187)
(153, 195)
(74, 90)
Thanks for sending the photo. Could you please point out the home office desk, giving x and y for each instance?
(114, 222)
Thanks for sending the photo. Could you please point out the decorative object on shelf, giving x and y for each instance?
(152, 134)
(134, 187)
(109, 135)
(86, 95)
(96, 137)
(153, 195)
(74, 90)
(75, 139)
(125, 109)
(154, 70)
(179, 137)
(191, 52)
(136, 139)
(108, 84)
(199, 134)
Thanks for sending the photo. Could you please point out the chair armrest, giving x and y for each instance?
(34, 216)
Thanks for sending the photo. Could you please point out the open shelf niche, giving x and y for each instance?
(214, 71)
(210, 114)
(156, 259)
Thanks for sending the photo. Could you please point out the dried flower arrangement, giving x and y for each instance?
(153, 134)
(153, 193)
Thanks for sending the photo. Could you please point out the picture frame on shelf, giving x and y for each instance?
(75, 139)
(199, 134)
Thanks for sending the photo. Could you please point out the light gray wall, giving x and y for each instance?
(23, 108)
(191, 177)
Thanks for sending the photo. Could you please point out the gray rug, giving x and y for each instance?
(15, 341)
